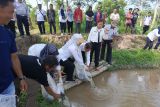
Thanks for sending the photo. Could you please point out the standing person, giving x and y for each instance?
(98, 16)
(134, 20)
(40, 19)
(150, 38)
(147, 22)
(70, 20)
(8, 55)
(51, 14)
(110, 32)
(62, 19)
(115, 16)
(129, 17)
(95, 37)
(105, 18)
(78, 17)
(89, 19)
(22, 15)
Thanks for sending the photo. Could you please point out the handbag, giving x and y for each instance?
(44, 16)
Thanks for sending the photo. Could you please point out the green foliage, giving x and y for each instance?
(127, 59)
(22, 99)
(44, 103)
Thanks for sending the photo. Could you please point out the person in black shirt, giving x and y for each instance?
(36, 69)
(134, 20)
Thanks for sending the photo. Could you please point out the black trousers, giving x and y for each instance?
(157, 44)
(88, 26)
(41, 27)
(70, 27)
(23, 20)
(11, 26)
(78, 27)
(95, 49)
(129, 25)
(52, 24)
(68, 68)
(63, 27)
(145, 29)
(84, 56)
(149, 44)
(109, 50)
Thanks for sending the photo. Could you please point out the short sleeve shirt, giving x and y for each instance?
(31, 68)
(7, 47)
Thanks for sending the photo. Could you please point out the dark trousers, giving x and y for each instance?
(149, 44)
(157, 44)
(84, 56)
(78, 27)
(129, 25)
(109, 50)
(41, 27)
(52, 24)
(11, 26)
(145, 29)
(133, 31)
(68, 68)
(63, 27)
(88, 26)
(70, 27)
(95, 49)
(23, 20)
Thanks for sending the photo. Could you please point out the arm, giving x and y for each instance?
(88, 58)
(52, 93)
(17, 69)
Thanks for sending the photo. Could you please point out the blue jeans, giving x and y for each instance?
(10, 90)
(149, 44)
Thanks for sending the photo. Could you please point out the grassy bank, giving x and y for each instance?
(129, 59)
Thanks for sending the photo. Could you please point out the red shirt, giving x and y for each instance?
(98, 17)
(129, 16)
(78, 15)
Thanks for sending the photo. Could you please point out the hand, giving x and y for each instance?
(23, 85)
(56, 96)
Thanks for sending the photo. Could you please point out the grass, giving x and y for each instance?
(129, 59)
(44, 103)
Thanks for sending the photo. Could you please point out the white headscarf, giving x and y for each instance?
(72, 41)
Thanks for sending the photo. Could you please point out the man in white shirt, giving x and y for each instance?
(110, 32)
(40, 19)
(147, 22)
(150, 38)
(95, 37)
(115, 16)
(158, 42)
(22, 15)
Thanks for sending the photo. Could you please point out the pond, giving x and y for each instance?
(126, 88)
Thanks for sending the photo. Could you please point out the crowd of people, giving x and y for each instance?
(75, 56)
(68, 17)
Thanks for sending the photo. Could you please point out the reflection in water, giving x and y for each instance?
(120, 89)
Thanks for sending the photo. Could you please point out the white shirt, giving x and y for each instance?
(21, 9)
(153, 34)
(115, 17)
(36, 49)
(61, 19)
(89, 18)
(147, 20)
(82, 47)
(72, 51)
(93, 35)
(39, 15)
(110, 32)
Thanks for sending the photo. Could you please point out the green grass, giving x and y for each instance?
(44, 103)
(129, 59)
